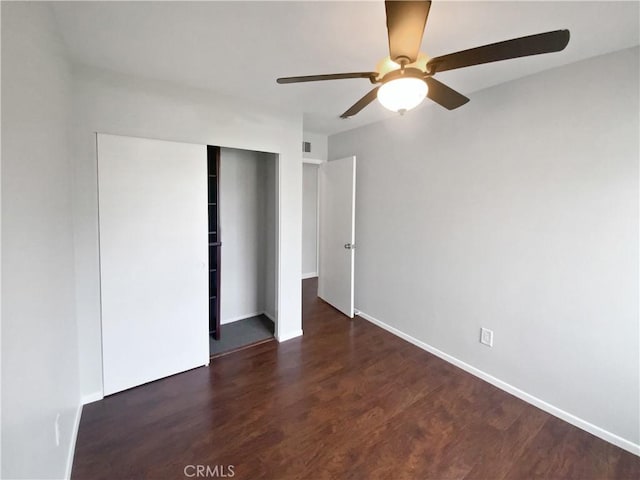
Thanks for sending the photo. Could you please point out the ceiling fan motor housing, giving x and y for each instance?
(403, 73)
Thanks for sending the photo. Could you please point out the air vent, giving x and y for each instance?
(306, 147)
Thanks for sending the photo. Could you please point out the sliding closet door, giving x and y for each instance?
(153, 259)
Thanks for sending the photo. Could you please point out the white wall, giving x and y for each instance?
(309, 220)
(39, 335)
(244, 226)
(111, 103)
(518, 212)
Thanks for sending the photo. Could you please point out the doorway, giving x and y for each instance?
(244, 281)
(310, 218)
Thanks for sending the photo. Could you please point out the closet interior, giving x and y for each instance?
(242, 248)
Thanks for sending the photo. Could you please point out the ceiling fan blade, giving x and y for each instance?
(405, 25)
(333, 76)
(443, 95)
(360, 104)
(518, 47)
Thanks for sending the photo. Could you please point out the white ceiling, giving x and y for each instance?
(240, 48)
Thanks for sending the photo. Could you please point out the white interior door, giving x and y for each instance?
(153, 259)
(337, 233)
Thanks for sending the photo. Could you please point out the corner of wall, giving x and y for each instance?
(319, 145)
(288, 335)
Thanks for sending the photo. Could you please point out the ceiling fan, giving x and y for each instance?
(406, 77)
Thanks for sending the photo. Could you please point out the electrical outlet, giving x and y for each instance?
(486, 337)
(56, 428)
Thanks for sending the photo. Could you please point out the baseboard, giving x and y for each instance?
(522, 395)
(238, 318)
(72, 442)
(91, 397)
(270, 317)
(309, 275)
(289, 336)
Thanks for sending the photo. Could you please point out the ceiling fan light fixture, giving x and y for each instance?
(409, 77)
(402, 94)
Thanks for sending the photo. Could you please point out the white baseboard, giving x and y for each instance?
(91, 397)
(72, 443)
(238, 318)
(289, 336)
(270, 317)
(541, 404)
(309, 275)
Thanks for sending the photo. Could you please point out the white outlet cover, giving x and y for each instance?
(486, 337)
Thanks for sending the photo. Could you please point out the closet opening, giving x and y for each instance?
(242, 216)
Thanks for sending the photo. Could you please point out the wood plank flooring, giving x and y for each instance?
(346, 401)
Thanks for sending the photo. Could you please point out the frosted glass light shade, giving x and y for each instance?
(402, 94)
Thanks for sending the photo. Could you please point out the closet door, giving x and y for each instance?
(153, 259)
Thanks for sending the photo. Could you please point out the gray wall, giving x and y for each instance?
(39, 336)
(518, 212)
(309, 220)
(245, 225)
(268, 163)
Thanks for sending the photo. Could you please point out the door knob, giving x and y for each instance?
(349, 246)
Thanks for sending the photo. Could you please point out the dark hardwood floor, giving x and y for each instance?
(346, 401)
